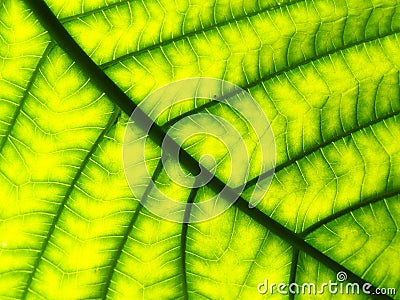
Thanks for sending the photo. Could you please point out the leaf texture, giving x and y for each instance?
(325, 72)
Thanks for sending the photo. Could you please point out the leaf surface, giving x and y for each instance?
(326, 74)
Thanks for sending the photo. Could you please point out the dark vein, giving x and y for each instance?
(185, 226)
(69, 45)
(65, 199)
(18, 110)
(293, 270)
(320, 146)
(128, 231)
(50, 22)
(115, 94)
(193, 33)
(204, 29)
(264, 78)
(93, 11)
(347, 210)
(297, 242)
(280, 72)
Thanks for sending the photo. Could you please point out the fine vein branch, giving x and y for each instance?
(156, 133)
(62, 205)
(128, 231)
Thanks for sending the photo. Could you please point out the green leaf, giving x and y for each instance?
(326, 73)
